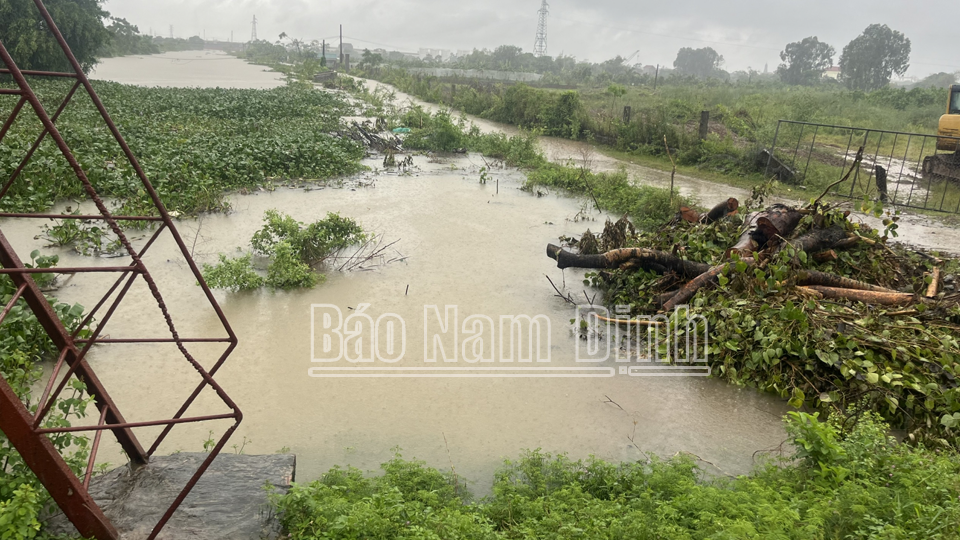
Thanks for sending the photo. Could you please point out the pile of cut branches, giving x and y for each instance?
(805, 302)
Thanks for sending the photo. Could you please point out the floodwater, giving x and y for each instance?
(459, 242)
(187, 69)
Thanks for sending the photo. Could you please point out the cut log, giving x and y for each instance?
(934, 284)
(819, 239)
(762, 228)
(812, 277)
(720, 211)
(867, 297)
(647, 259)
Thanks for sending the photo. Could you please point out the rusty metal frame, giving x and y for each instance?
(26, 430)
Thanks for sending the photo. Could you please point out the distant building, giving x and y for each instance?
(832, 73)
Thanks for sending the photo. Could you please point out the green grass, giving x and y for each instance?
(843, 483)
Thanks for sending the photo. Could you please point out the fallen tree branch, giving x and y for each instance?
(687, 291)
(644, 258)
(822, 279)
(867, 297)
(629, 321)
(856, 164)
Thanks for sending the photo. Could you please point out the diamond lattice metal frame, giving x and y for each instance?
(24, 428)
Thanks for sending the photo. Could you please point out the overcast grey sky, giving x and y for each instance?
(748, 33)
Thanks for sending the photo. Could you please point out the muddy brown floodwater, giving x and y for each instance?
(476, 246)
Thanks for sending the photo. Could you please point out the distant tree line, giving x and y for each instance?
(867, 63)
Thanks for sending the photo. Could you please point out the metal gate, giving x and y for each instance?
(893, 166)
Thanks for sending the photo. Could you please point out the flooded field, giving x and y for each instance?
(461, 243)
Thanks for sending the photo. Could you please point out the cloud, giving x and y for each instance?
(746, 32)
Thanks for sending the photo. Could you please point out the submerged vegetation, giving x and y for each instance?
(194, 145)
(292, 251)
(611, 192)
(847, 480)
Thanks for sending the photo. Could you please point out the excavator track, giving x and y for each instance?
(942, 167)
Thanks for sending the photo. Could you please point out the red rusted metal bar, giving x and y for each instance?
(80, 357)
(39, 139)
(67, 344)
(13, 117)
(70, 270)
(93, 452)
(10, 92)
(157, 340)
(154, 196)
(193, 396)
(75, 216)
(196, 477)
(13, 301)
(89, 317)
(50, 381)
(53, 472)
(130, 425)
(34, 73)
(48, 319)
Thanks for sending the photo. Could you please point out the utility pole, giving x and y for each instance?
(323, 54)
(540, 45)
(341, 47)
(253, 32)
(657, 77)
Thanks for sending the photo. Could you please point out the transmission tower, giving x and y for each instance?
(540, 45)
(253, 32)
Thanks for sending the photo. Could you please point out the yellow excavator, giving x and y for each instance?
(948, 140)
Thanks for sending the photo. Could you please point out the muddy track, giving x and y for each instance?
(915, 229)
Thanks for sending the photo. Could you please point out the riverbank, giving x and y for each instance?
(938, 232)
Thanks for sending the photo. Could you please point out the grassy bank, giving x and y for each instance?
(743, 117)
(610, 192)
(846, 481)
(194, 144)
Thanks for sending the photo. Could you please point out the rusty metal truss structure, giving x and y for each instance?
(25, 426)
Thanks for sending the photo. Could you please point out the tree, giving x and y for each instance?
(805, 61)
(370, 59)
(33, 47)
(701, 63)
(868, 62)
(125, 38)
(937, 80)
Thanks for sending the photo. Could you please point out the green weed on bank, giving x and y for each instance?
(846, 481)
(612, 192)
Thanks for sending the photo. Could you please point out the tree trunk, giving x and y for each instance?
(761, 228)
(643, 258)
(867, 297)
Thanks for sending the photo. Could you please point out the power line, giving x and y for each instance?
(253, 32)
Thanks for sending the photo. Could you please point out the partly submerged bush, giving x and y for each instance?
(292, 249)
